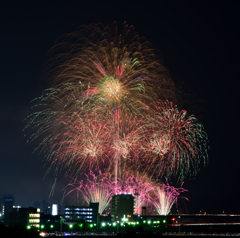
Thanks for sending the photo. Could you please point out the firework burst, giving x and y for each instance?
(96, 70)
(82, 144)
(100, 66)
(140, 186)
(97, 189)
(176, 143)
(110, 107)
(165, 196)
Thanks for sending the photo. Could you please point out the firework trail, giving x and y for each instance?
(129, 133)
(175, 144)
(95, 189)
(165, 196)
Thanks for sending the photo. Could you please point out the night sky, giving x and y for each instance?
(199, 44)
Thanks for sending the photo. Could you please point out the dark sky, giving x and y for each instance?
(199, 43)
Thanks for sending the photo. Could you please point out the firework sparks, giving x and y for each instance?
(97, 189)
(165, 196)
(106, 109)
(100, 71)
(128, 131)
(175, 142)
(140, 186)
(99, 67)
(82, 145)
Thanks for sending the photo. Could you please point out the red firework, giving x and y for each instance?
(171, 140)
(95, 141)
(82, 145)
(128, 134)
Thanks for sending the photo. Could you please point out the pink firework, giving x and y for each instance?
(140, 186)
(165, 196)
(97, 188)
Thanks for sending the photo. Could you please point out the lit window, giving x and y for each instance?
(34, 215)
(34, 220)
(35, 225)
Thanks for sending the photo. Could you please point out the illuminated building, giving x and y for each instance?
(28, 217)
(122, 207)
(73, 214)
(54, 209)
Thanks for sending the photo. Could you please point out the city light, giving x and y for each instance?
(124, 218)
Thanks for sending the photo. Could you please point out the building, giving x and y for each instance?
(8, 207)
(75, 214)
(122, 207)
(27, 217)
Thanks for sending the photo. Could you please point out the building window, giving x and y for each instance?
(34, 215)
